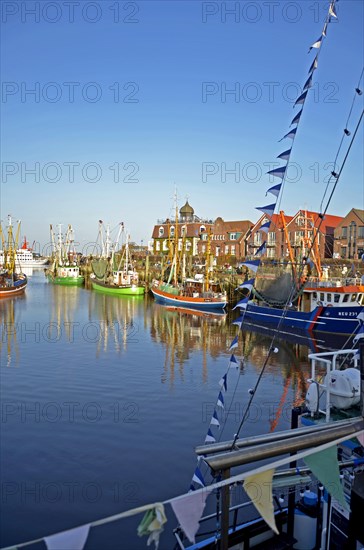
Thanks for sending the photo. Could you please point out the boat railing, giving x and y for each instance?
(332, 360)
(314, 282)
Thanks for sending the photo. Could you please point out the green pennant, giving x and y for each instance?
(324, 465)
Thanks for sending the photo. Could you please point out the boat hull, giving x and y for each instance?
(341, 320)
(118, 290)
(166, 298)
(14, 290)
(66, 281)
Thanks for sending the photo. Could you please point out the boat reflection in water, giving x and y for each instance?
(116, 319)
(182, 332)
(9, 349)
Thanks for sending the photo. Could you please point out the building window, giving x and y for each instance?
(202, 228)
(171, 231)
(158, 245)
(257, 238)
(233, 236)
(227, 249)
(165, 245)
(161, 231)
(344, 232)
(203, 248)
(300, 220)
(183, 230)
(361, 232)
(233, 249)
(271, 237)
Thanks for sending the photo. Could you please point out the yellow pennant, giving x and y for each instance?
(259, 489)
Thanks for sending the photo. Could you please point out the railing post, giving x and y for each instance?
(225, 505)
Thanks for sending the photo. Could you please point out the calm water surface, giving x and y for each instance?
(104, 399)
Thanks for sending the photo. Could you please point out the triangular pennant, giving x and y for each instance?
(215, 420)
(278, 172)
(274, 190)
(188, 510)
(324, 465)
(73, 539)
(220, 401)
(359, 334)
(252, 264)
(248, 284)
(198, 478)
(223, 382)
(209, 437)
(259, 489)
(316, 44)
(313, 65)
(268, 209)
(234, 343)
(261, 250)
(291, 134)
(265, 227)
(152, 524)
(285, 155)
(296, 119)
(242, 304)
(308, 83)
(301, 98)
(332, 11)
(233, 359)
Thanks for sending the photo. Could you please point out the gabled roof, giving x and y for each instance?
(328, 220)
(276, 222)
(357, 212)
(240, 226)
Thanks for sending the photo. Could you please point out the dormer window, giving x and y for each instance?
(161, 231)
(172, 229)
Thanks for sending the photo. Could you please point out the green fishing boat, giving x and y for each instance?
(64, 269)
(113, 275)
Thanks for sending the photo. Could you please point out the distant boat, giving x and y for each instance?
(12, 281)
(112, 275)
(25, 257)
(64, 269)
(200, 292)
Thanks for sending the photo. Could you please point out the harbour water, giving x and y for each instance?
(103, 400)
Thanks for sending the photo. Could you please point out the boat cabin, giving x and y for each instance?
(332, 297)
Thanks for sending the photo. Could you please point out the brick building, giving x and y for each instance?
(349, 236)
(228, 239)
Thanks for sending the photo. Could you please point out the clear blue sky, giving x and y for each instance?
(137, 102)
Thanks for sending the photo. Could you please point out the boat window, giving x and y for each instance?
(322, 296)
(353, 297)
(360, 298)
(314, 295)
(329, 297)
(336, 298)
(346, 298)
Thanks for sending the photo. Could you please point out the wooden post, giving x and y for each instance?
(225, 505)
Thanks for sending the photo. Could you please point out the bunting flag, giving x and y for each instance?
(332, 11)
(261, 250)
(74, 539)
(220, 401)
(325, 29)
(242, 304)
(278, 172)
(188, 511)
(359, 334)
(223, 382)
(308, 83)
(316, 44)
(274, 191)
(259, 489)
(152, 524)
(234, 343)
(285, 155)
(233, 360)
(314, 65)
(252, 265)
(324, 465)
(268, 209)
(198, 478)
(209, 437)
(291, 135)
(248, 284)
(297, 118)
(360, 316)
(238, 322)
(215, 420)
(301, 98)
(265, 227)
